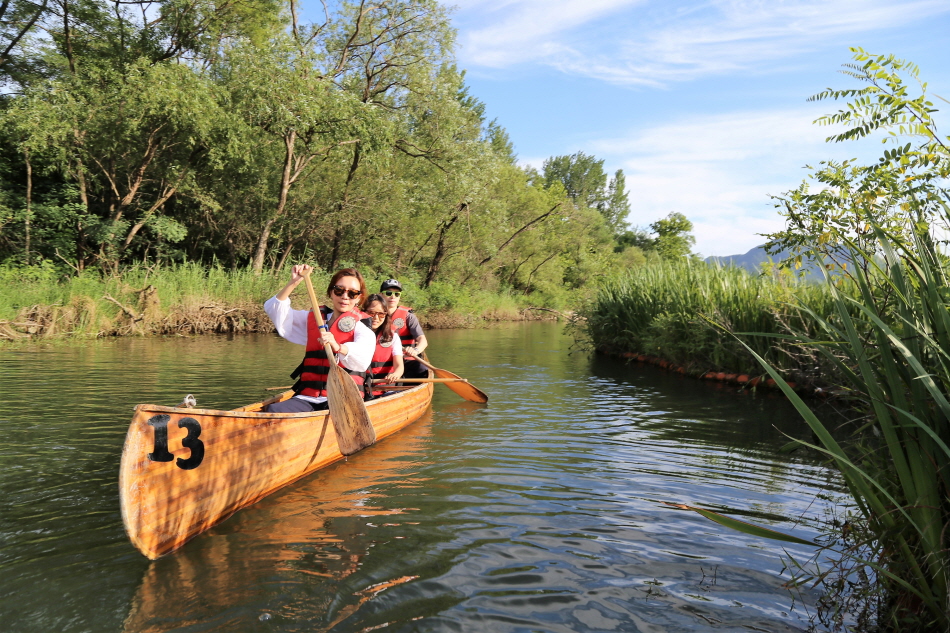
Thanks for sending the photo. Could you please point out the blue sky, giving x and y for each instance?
(702, 104)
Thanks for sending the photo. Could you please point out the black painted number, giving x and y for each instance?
(160, 454)
(191, 442)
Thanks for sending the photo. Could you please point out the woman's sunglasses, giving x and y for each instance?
(377, 315)
(340, 291)
(391, 293)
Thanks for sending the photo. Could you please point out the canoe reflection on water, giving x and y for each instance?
(290, 552)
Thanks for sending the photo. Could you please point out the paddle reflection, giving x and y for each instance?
(286, 558)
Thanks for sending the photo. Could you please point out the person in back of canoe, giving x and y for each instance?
(387, 365)
(349, 337)
(407, 326)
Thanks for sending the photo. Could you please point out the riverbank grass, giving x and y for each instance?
(686, 312)
(41, 302)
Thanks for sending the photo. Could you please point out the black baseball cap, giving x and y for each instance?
(390, 283)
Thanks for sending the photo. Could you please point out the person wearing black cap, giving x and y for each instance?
(406, 325)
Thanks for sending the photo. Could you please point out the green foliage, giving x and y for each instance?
(616, 207)
(889, 340)
(852, 198)
(585, 183)
(667, 308)
(235, 134)
(673, 236)
(582, 176)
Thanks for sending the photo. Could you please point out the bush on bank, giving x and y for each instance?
(40, 302)
(687, 311)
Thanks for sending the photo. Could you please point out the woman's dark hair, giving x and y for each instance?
(349, 272)
(385, 330)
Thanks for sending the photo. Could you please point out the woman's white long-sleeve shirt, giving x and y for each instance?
(292, 325)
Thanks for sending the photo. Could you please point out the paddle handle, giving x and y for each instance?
(419, 358)
(318, 316)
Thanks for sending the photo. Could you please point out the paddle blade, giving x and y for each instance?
(354, 429)
(467, 390)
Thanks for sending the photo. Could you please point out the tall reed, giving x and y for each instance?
(664, 309)
(891, 342)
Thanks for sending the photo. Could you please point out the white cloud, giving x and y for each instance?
(526, 30)
(637, 42)
(719, 171)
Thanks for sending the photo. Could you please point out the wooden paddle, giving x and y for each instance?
(460, 386)
(354, 429)
(423, 380)
(378, 384)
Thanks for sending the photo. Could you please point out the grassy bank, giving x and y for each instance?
(685, 312)
(40, 302)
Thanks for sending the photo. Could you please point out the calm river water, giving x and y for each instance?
(541, 511)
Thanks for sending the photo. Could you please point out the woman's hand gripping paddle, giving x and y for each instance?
(354, 430)
(460, 386)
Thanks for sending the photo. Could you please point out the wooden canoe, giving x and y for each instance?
(185, 470)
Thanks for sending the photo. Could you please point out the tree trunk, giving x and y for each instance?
(514, 273)
(67, 37)
(23, 30)
(344, 202)
(510, 240)
(441, 248)
(29, 201)
(286, 180)
(166, 194)
(257, 263)
(335, 248)
(518, 232)
(527, 284)
(81, 246)
(283, 258)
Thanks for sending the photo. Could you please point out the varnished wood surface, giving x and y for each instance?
(202, 586)
(247, 455)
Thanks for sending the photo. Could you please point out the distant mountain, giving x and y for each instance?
(751, 261)
(755, 258)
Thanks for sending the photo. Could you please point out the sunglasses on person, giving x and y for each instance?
(340, 291)
(391, 293)
(377, 315)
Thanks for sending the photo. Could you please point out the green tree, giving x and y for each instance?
(312, 117)
(582, 176)
(673, 236)
(616, 206)
(586, 184)
(852, 198)
(131, 141)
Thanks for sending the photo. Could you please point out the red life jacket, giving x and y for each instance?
(382, 362)
(400, 316)
(313, 370)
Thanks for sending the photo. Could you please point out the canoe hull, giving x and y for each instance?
(185, 470)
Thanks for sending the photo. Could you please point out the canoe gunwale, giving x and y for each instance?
(238, 413)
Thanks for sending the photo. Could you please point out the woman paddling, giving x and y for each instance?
(387, 365)
(349, 337)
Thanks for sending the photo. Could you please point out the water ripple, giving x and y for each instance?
(543, 510)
